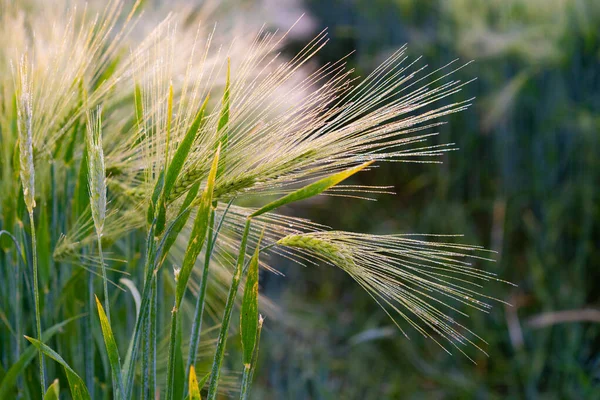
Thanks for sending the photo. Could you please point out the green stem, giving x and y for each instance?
(245, 382)
(171, 362)
(235, 283)
(88, 329)
(197, 323)
(104, 278)
(152, 331)
(249, 369)
(36, 294)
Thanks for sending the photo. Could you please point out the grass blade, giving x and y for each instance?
(53, 391)
(178, 225)
(76, 384)
(193, 384)
(198, 232)
(224, 332)
(311, 190)
(10, 378)
(176, 165)
(222, 127)
(250, 368)
(212, 236)
(195, 245)
(112, 351)
(249, 314)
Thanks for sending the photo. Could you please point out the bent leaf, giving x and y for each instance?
(10, 378)
(76, 384)
(311, 190)
(111, 349)
(199, 230)
(249, 314)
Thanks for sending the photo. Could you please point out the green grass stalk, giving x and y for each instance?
(36, 294)
(222, 341)
(249, 369)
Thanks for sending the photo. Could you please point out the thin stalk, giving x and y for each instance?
(146, 359)
(235, 283)
(250, 368)
(197, 323)
(89, 348)
(151, 266)
(171, 362)
(36, 294)
(104, 278)
(152, 341)
(141, 318)
(198, 315)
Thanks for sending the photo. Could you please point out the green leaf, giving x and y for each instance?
(183, 150)
(176, 165)
(112, 350)
(199, 230)
(184, 213)
(193, 384)
(53, 391)
(311, 190)
(222, 127)
(178, 383)
(249, 314)
(204, 380)
(158, 187)
(10, 378)
(81, 199)
(139, 108)
(78, 389)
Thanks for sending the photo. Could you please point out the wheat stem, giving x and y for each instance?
(197, 323)
(235, 283)
(36, 294)
(104, 278)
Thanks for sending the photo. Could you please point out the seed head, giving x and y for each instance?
(25, 127)
(96, 170)
(411, 278)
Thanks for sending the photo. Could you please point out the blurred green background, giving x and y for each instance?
(525, 183)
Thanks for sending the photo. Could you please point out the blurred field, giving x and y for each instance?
(524, 183)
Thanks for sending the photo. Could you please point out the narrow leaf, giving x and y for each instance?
(193, 384)
(249, 314)
(199, 230)
(158, 186)
(10, 378)
(184, 213)
(183, 150)
(76, 384)
(139, 108)
(112, 350)
(176, 165)
(204, 380)
(53, 391)
(311, 190)
(223, 125)
(224, 115)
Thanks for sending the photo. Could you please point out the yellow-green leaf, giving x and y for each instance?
(76, 384)
(176, 165)
(311, 190)
(249, 314)
(199, 230)
(112, 350)
(193, 384)
(53, 391)
(223, 125)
